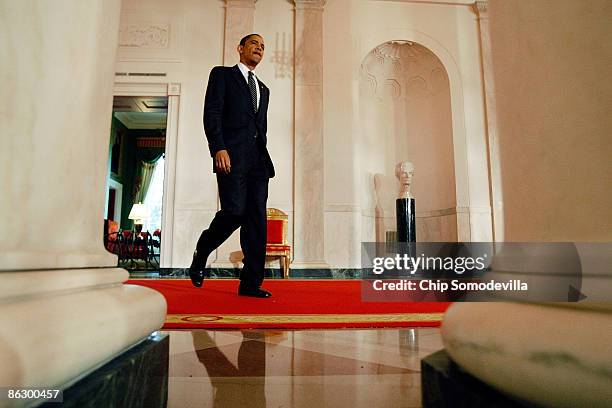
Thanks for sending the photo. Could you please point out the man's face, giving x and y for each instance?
(252, 51)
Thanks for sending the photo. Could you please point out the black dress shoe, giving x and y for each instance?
(197, 270)
(253, 292)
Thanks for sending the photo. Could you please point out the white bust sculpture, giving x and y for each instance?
(404, 171)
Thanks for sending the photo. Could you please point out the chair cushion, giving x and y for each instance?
(112, 230)
(275, 232)
(278, 247)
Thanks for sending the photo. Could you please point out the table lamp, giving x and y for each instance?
(138, 214)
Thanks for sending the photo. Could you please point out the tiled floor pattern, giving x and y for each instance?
(302, 368)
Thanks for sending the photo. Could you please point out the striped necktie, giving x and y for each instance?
(253, 89)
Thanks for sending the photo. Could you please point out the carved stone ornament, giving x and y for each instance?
(144, 35)
(240, 3)
(481, 6)
(282, 56)
(402, 69)
(310, 4)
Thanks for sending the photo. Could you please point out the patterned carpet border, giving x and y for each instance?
(304, 321)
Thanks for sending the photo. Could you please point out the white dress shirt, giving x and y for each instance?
(245, 73)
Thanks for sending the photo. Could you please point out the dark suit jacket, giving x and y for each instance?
(229, 120)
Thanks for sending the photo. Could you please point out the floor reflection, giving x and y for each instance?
(308, 368)
(251, 363)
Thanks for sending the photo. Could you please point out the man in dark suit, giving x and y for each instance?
(235, 123)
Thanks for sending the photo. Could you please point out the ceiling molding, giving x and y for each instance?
(441, 2)
(142, 120)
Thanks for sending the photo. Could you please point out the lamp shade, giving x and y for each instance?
(139, 212)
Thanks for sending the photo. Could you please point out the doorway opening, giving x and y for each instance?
(135, 181)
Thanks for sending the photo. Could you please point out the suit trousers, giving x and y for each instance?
(243, 195)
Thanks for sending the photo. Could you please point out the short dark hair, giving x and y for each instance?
(246, 37)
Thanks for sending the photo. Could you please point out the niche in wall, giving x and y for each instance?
(405, 115)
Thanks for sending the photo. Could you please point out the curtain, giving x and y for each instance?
(144, 177)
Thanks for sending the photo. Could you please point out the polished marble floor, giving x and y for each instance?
(298, 368)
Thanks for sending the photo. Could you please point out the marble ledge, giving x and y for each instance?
(443, 2)
(270, 273)
(370, 212)
(342, 208)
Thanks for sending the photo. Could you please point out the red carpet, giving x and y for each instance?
(294, 304)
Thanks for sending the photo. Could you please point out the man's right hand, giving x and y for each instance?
(222, 161)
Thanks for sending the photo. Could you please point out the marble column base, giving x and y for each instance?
(56, 325)
(136, 378)
(553, 354)
(444, 384)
